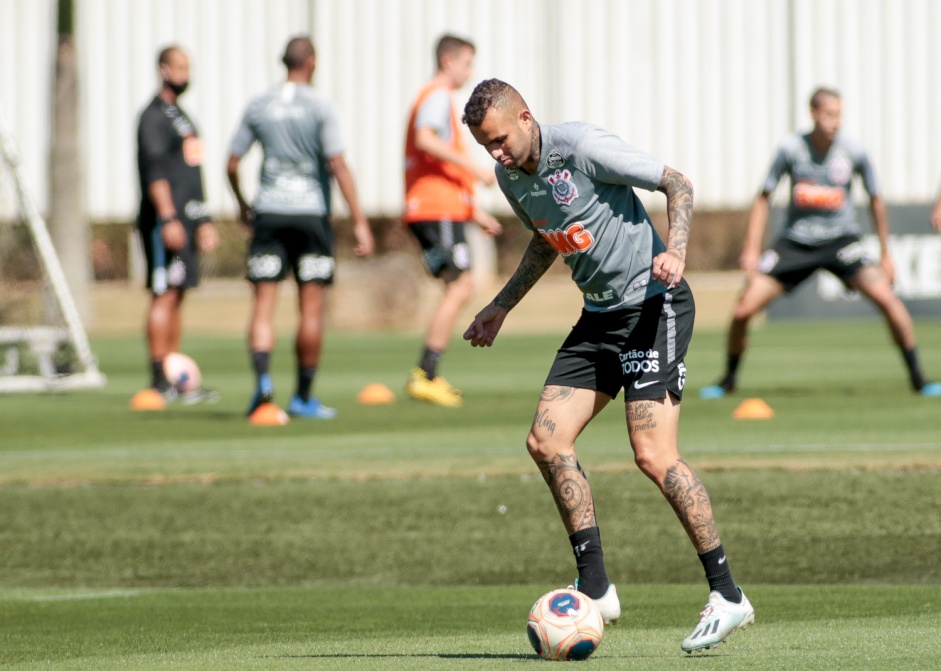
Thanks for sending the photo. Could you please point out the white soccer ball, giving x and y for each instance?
(182, 372)
(565, 625)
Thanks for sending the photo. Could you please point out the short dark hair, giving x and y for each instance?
(296, 53)
(163, 58)
(449, 44)
(821, 92)
(490, 94)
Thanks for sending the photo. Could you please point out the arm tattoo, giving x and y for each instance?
(569, 486)
(679, 193)
(689, 498)
(536, 260)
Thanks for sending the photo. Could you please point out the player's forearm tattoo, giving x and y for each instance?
(537, 258)
(679, 193)
(690, 500)
(640, 416)
(569, 486)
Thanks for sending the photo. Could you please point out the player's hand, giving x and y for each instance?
(936, 217)
(485, 175)
(488, 224)
(246, 215)
(365, 243)
(207, 237)
(174, 235)
(668, 268)
(888, 268)
(483, 330)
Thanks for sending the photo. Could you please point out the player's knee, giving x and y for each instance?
(650, 460)
(742, 313)
(541, 446)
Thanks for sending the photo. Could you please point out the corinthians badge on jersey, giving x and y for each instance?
(563, 188)
(554, 159)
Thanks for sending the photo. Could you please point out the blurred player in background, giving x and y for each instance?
(821, 231)
(439, 200)
(173, 219)
(290, 218)
(573, 185)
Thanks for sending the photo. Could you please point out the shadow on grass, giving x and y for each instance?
(433, 655)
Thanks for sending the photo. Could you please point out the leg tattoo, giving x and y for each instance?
(569, 486)
(690, 500)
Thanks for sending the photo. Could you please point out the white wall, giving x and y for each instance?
(710, 86)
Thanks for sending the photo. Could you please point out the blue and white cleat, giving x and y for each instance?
(712, 391)
(264, 392)
(930, 389)
(717, 621)
(311, 409)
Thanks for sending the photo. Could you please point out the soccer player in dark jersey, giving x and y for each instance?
(299, 133)
(821, 231)
(573, 185)
(173, 219)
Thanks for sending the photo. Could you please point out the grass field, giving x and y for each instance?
(412, 537)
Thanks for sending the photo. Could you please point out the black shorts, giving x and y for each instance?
(166, 270)
(301, 242)
(640, 349)
(444, 248)
(790, 263)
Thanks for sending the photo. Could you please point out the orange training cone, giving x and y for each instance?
(753, 408)
(268, 414)
(148, 400)
(375, 394)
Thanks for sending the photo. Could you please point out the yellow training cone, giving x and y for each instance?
(753, 408)
(375, 394)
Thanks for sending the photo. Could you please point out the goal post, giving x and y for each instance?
(43, 343)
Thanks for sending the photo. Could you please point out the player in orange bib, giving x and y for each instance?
(439, 200)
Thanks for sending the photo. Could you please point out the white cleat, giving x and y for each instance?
(609, 605)
(717, 621)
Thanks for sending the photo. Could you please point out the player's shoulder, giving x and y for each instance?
(152, 110)
(794, 144)
(315, 101)
(851, 145)
(569, 134)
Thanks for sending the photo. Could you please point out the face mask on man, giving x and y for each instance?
(177, 88)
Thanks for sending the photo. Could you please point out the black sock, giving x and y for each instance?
(719, 574)
(158, 378)
(914, 370)
(589, 558)
(731, 369)
(305, 380)
(429, 362)
(261, 362)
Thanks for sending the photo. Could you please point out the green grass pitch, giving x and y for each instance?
(412, 537)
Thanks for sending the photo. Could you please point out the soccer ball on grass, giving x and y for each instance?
(182, 372)
(565, 625)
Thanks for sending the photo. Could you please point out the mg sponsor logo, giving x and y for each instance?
(640, 361)
(574, 238)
